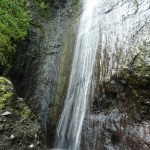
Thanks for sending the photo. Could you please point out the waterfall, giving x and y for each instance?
(106, 28)
(72, 117)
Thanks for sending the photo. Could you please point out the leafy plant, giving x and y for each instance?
(14, 22)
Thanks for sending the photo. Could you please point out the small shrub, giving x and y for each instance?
(14, 22)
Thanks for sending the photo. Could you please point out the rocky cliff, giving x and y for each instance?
(43, 61)
(119, 111)
(19, 128)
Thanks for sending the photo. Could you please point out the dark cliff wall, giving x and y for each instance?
(43, 60)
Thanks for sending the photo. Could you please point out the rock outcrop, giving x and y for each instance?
(120, 117)
(19, 128)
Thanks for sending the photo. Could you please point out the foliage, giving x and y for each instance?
(43, 7)
(14, 22)
(9, 99)
(6, 91)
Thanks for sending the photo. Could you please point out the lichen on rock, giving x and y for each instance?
(19, 128)
(6, 91)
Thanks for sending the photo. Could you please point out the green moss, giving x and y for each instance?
(65, 67)
(1, 103)
(14, 22)
(76, 6)
(43, 6)
(36, 23)
(63, 76)
(5, 97)
(25, 111)
(6, 93)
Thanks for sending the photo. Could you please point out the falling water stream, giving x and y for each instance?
(105, 26)
(71, 120)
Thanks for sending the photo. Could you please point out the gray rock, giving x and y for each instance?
(1, 127)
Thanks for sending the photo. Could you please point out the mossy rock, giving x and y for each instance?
(9, 99)
(22, 109)
(19, 127)
(137, 69)
(6, 91)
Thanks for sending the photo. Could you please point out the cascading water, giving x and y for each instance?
(71, 120)
(107, 26)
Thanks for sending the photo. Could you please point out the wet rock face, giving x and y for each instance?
(119, 110)
(119, 117)
(43, 61)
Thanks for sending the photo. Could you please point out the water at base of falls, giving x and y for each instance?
(71, 120)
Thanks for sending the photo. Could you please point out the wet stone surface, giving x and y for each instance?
(118, 117)
(19, 128)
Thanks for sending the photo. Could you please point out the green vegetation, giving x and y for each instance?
(14, 22)
(9, 99)
(44, 7)
(6, 91)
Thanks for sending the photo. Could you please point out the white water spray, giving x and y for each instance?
(109, 27)
(71, 120)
